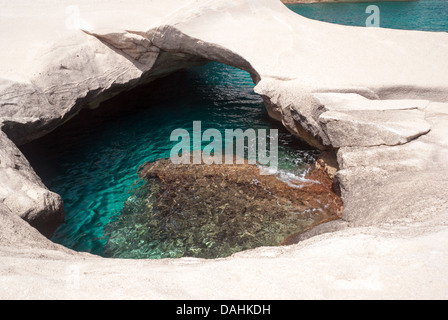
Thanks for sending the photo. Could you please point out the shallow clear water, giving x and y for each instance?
(428, 15)
(92, 161)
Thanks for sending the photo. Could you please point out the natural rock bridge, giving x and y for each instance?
(378, 98)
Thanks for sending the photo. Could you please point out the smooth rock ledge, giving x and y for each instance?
(376, 97)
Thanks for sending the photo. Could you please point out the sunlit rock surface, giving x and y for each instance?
(391, 242)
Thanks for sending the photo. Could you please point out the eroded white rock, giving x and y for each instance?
(50, 72)
(23, 192)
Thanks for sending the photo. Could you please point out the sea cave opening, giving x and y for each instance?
(175, 211)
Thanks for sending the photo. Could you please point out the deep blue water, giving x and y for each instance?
(428, 15)
(92, 161)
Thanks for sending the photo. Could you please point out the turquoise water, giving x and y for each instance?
(428, 15)
(92, 161)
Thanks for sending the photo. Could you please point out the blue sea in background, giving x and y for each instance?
(92, 161)
(427, 15)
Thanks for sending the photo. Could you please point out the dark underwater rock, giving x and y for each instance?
(212, 211)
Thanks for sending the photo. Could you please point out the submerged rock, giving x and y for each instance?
(212, 211)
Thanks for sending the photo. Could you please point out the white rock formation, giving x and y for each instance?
(379, 96)
(22, 191)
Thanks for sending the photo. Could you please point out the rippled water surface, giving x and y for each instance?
(92, 161)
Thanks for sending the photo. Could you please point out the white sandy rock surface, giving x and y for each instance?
(379, 96)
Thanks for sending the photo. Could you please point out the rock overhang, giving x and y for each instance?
(300, 68)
